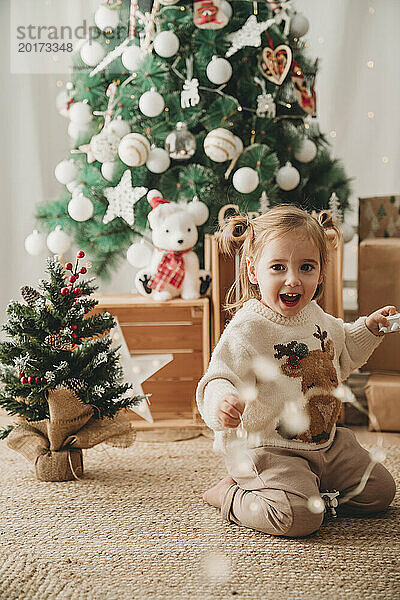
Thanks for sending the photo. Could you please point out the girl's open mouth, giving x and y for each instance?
(290, 299)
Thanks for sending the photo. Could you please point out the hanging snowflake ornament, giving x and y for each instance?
(248, 35)
(122, 199)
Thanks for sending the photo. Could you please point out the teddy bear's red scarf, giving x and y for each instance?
(170, 269)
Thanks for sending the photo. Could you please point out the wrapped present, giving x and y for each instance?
(379, 285)
(379, 217)
(383, 397)
(55, 445)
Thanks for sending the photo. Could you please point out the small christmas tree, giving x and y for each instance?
(61, 374)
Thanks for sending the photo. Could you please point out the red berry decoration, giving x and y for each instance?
(64, 291)
(68, 266)
(37, 379)
(80, 254)
(293, 361)
(42, 380)
(72, 279)
(73, 326)
(77, 291)
(83, 270)
(24, 380)
(21, 374)
(31, 380)
(74, 335)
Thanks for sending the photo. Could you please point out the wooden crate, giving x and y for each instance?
(180, 327)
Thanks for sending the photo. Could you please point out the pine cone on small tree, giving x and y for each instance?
(30, 295)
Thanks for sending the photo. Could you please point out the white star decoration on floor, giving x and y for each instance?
(138, 369)
(248, 35)
(122, 198)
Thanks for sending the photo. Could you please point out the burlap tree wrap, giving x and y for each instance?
(55, 445)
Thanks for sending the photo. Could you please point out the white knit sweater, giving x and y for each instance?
(310, 353)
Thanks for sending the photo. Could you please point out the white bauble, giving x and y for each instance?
(158, 160)
(132, 57)
(347, 232)
(80, 208)
(92, 53)
(166, 44)
(287, 177)
(104, 146)
(80, 113)
(139, 254)
(299, 25)
(118, 127)
(239, 144)
(226, 8)
(151, 103)
(220, 144)
(66, 171)
(199, 210)
(134, 149)
(58, 242)
(105, 18)
(219, 70)
(307, 151)
(245, 180)
(153, 194)
(35, 243)
(75, 130)
(73, 185)
(109, 170)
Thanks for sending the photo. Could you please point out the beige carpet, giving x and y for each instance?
(136, 527)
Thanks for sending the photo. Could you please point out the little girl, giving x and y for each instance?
(306, 354)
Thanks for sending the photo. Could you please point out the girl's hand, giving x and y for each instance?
(378, 318)
(229, 410)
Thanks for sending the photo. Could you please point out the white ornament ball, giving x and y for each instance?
(132, 57)
(80, 113)
(226, 8)
(92, 53)
(105, 18)
(134, 149)
(307, 151)
(153, 194)
(299, 25)
(199, 210)
(220, 144)
(58, 242)
(245, 180)
(35, 243)
(66, 171)
(139, 254)
(75, 130)
(287, 177)
(109, 170)
(219, 70)
(158, 160)
(151, 103)
(80, 208)
(118, 127)
(347, 232)
(166, 44)
(239, 144)
(104, 146)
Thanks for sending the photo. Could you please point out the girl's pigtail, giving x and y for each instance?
(233, 234)
(330, 227)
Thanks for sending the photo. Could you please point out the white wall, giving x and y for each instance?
(35, 137)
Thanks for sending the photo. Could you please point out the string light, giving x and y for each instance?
(371, 10)
(371, 115)
(370, 64)
(239, 108)
(59, 83)
(385, 159)
(333, 133)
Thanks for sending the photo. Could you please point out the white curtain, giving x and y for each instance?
(345, 34)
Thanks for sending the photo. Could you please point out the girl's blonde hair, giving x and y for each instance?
(249, 237)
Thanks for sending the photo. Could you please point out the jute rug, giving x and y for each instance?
(136, 527)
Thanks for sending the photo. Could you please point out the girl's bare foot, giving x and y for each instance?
(215, 495)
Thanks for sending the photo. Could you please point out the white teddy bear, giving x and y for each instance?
(174, 267)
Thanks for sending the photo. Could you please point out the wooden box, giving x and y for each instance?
(180, 327)
(383, 396)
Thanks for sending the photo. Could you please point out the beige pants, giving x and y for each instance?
(273, 485)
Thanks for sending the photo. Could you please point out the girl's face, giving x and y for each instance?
(287, 273)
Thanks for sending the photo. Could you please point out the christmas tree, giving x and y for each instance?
(207, 98)
(55, 344)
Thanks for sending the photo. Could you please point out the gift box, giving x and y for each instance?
(379, 217)
(378, 286)
(383, 397)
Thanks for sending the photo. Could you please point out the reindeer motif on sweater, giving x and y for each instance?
(318, 380)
